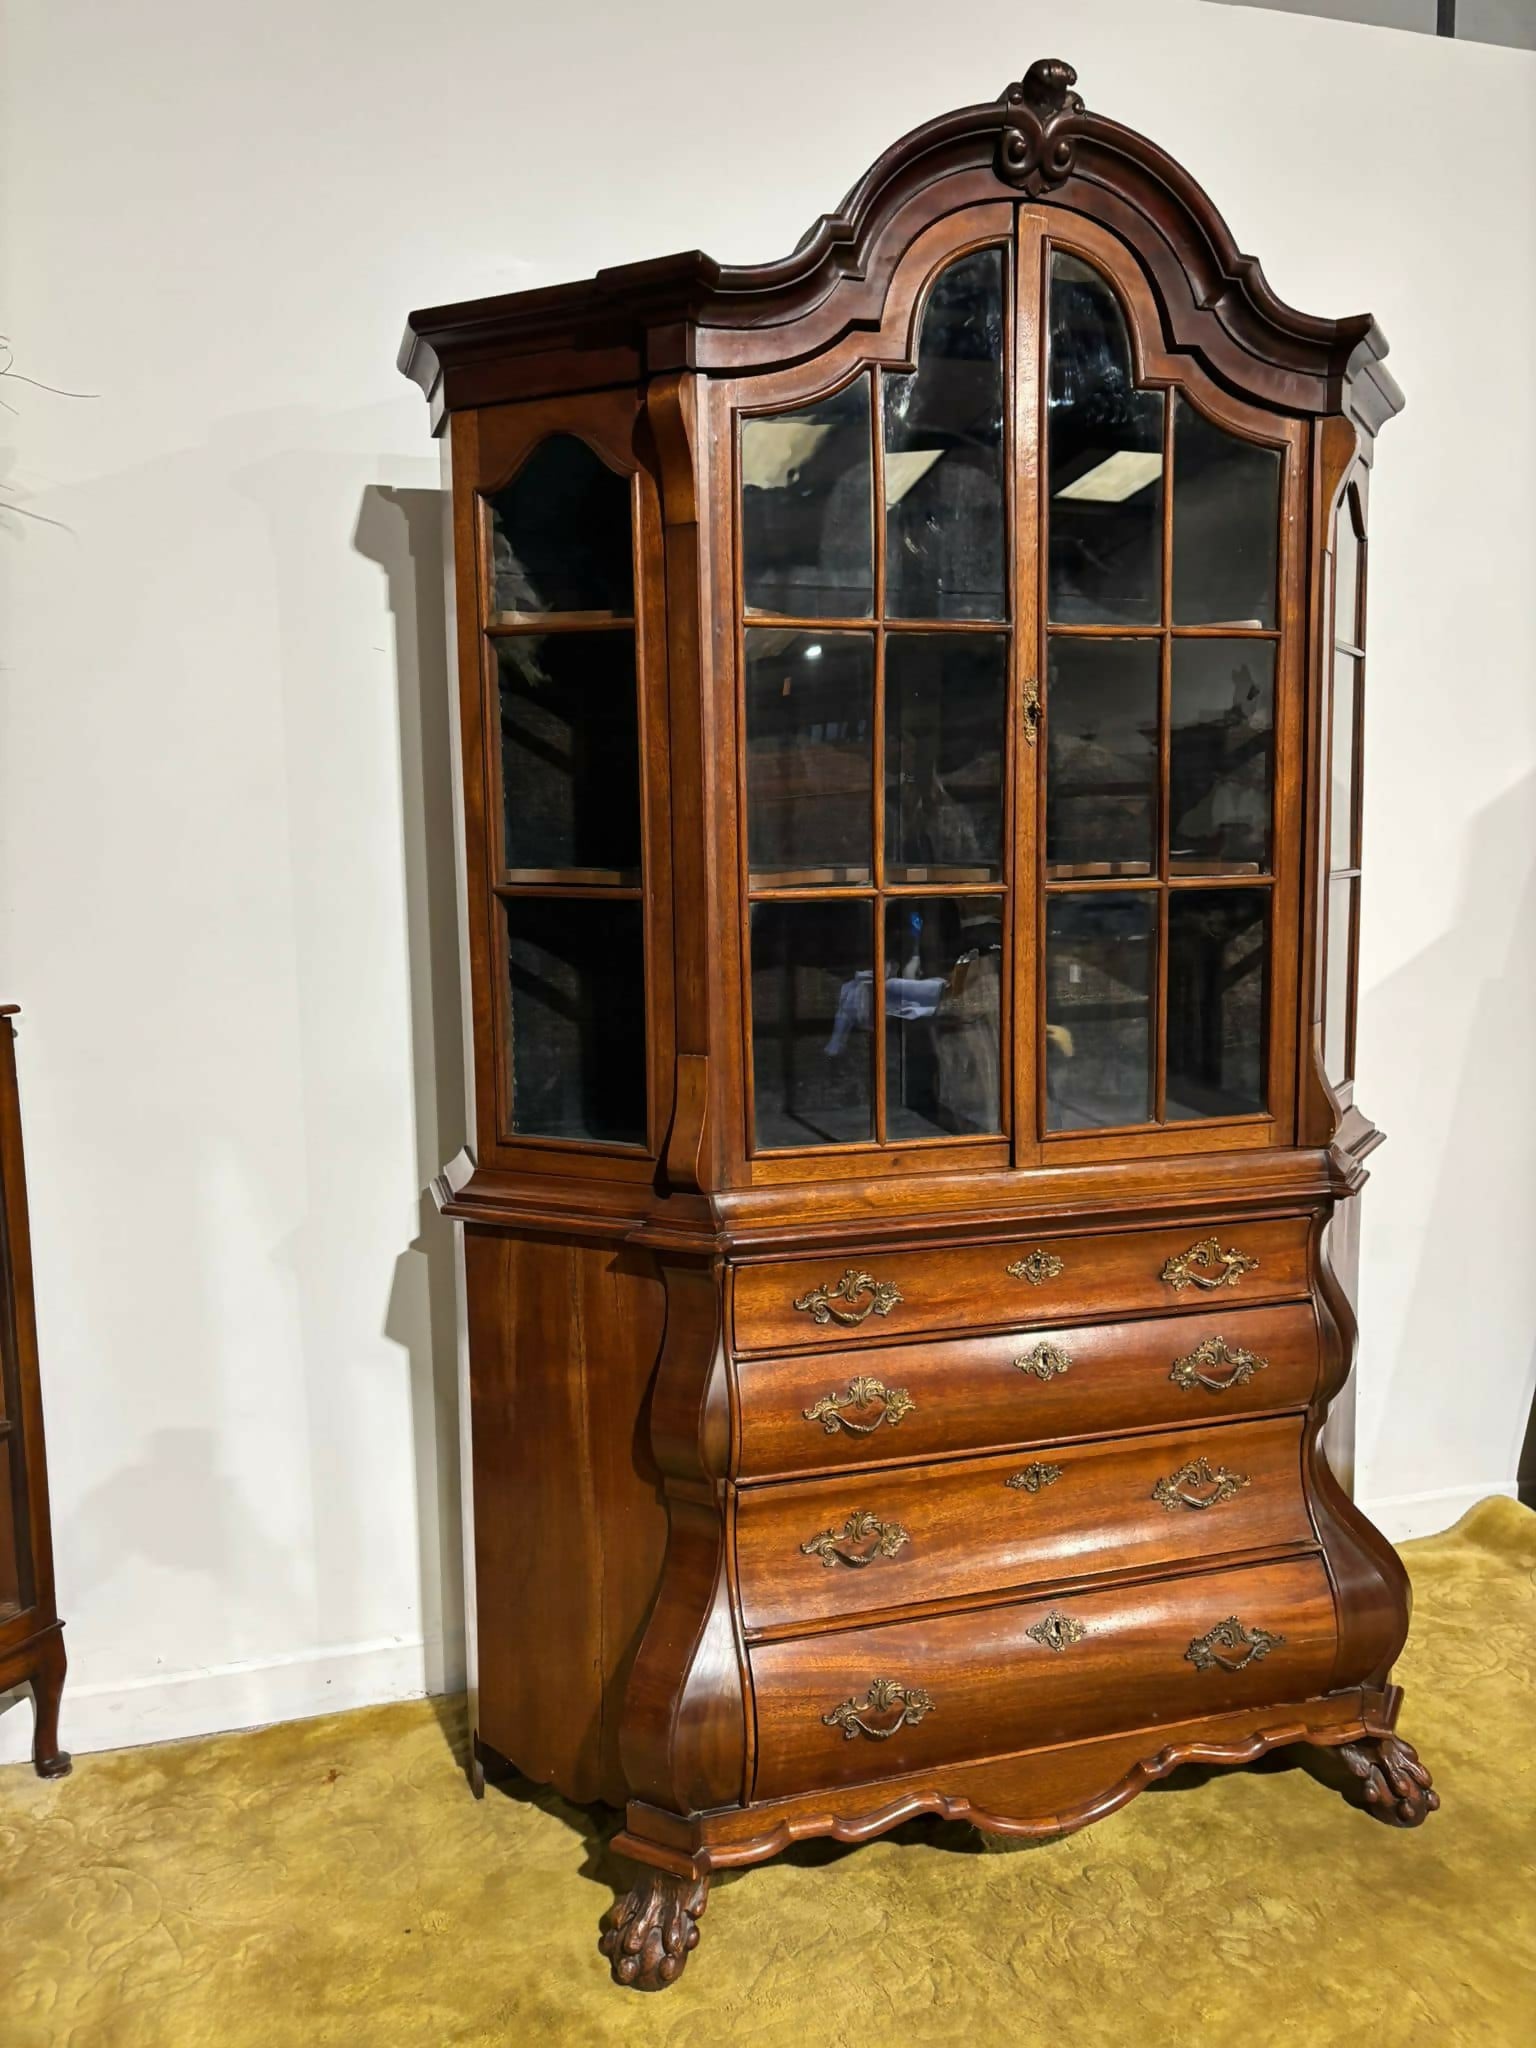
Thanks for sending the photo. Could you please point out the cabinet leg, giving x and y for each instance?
(1388, 1781)
(649, 1934)
(48, 1760)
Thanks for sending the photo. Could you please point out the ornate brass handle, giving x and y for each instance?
(821, 1303)
(1208, 1652)
(1197, 1485)
(1058, 1631)
(911, 1702)
(884, 1540)
(863, 1392)
(1031, 710)
(1046, 1361)
(1189, 1371)
(1034, 1477)
(1037, 1268)
(1207, 1266)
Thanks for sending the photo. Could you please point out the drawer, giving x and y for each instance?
(837, 1299)
(827, 1549)
(863, 1703)
(806, 1414)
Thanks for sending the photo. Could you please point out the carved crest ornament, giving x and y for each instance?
(1035, 150)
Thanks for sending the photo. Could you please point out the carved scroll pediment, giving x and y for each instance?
(1036, 147)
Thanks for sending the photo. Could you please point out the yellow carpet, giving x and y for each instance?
(332, 1882)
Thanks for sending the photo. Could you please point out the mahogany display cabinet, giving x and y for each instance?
(909, 717)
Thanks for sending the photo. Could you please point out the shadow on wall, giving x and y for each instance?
(403, 532)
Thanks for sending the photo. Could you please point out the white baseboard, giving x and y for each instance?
(1403, 1516)
(169, 1708)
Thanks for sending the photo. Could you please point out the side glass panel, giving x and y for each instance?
(943, 986)
(944, 703)
(1220, 767)
(1102, 766)
(577, 973)
(943, 422)
(1338, 1061)
(1341, 797)
(570, 756)
(560, 534)
(806, 489)
(1226, 524)
(1105, 464)
(810, 757)
(1346, 581)
(812, 1023)
(1100, 979)
(1218, 1002)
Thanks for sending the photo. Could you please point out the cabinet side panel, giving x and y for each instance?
(569, 1524)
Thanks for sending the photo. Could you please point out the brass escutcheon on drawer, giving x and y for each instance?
(1046, 1362)
(1190, 1370)
(1033, 1478)
(1198, 1485)
(1210, 1651)
(1206, 1265)
(1037, 1268)
(863, 1392)
(821, 1303)
(910, 1701)
(1058, 1631)
(884, 1540)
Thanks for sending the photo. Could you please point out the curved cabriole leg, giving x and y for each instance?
(650, 1933)
(1391, 1783)
(48, 1760)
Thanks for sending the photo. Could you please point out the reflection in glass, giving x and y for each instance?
(1101, 772)
(1346, 579)
(943, 970)
(1218, 974)
(560, 534)
(944, 453)
(1106, 461)
(810, 756)
(1343, 900)
(1226, 524)
(570, 754)
(805, 509)
(1341, 801)
(1100, 974)
(577, 973)
(944, 700)
(1222, 735)
(812, 1023)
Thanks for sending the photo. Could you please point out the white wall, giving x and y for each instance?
(225, 865)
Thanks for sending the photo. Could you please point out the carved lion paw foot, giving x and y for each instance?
(650, 1933)
(1393, 1784)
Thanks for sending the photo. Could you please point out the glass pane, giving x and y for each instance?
(944, 454)
(813, 980)
(1346, 579)
(1218, 1002)
(943, 971)
(1100, 975)
(1226, 524)
(1101, 771)
(1341, 799)
(944, 703)
(578, 1019)
(810, 757)
(570, 754)
(560, 534)
(806, 486)
(1219, 762)
(1106, 461)
(1343, 897)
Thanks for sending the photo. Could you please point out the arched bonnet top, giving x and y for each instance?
(1037, 141)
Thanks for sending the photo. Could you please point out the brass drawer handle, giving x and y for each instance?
(821, 1303)
(1206, 1652)
(911, 1702)
(1197, 1485)
(1046, 1361)
(1034, 1477)
(1189, 1371)
(1207, 1266)
(1037, 1268)
(863, 1392)
(1058, 1631)
(884, 1540)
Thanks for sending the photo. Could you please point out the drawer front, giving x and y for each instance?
(836, 1299)
(860, 1704)
(816, 1412)
(824, 1550)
